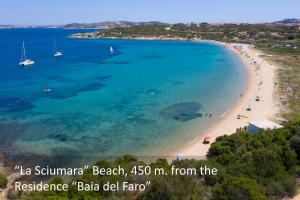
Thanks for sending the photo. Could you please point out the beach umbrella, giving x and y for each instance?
(207, 138)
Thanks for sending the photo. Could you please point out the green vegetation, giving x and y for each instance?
(3, 181)
(280, 43)
(288, 76)
(262, 166)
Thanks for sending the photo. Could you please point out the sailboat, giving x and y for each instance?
(111, 50)
(56, 52)
(24, 60)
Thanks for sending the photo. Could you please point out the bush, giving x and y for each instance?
(238, 188)
(3, 181)
(158, 190)
(249, 167)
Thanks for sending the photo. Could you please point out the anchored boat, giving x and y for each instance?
(57, 53)
(24, 60)
(111, 50)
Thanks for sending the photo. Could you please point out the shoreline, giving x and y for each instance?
(227, 124)
(266, 108)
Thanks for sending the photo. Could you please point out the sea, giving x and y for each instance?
(146, 98)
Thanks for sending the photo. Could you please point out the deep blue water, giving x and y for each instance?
(145, 99)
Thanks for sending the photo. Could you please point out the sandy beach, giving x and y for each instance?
(261, 83)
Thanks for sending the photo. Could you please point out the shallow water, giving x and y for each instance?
(145, 99)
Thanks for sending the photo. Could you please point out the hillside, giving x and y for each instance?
(288, 22)
(109, 24)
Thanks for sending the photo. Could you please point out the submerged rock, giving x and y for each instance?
(63, 94)
(74, 91)
(60, 137)
(14, 104)
(182, 111)
(187, 116)
(91, 87)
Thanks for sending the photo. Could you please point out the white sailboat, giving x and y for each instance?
(24, 60)
(111, 50)
(56, 52)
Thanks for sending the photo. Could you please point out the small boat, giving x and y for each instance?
(24, 60)
(46, 90)
(57, 53)
(111, 50)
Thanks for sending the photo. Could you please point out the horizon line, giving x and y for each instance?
(134, 21)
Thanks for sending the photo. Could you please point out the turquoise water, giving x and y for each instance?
(145, 99)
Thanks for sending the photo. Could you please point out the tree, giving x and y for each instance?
(266, 162)
(158, 191)
(295, 144)
(233, 188)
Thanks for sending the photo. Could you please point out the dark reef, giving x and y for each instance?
(182, 111)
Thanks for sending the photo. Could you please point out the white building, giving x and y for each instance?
(255, 126)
